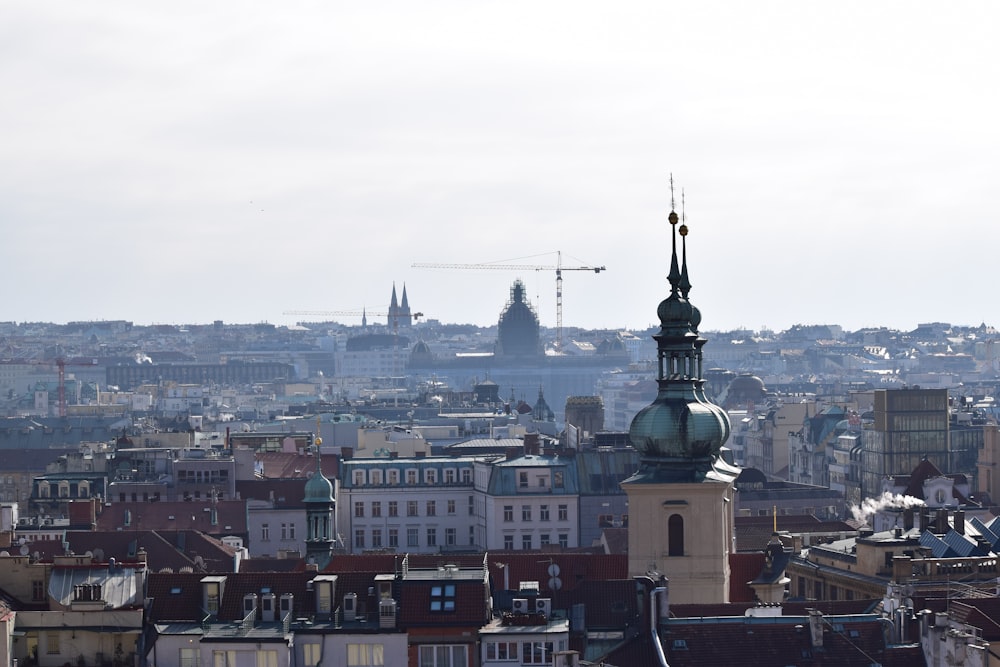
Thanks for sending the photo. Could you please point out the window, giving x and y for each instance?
(393, 476)
(376, 538)
(359, 538)
(472, 506)
(431, 508)
(543, 513)
(411, 508)
(526, 542)
(508, 513)
(522, 480)
(393, 508)
(265, 533)
(431, 476)
(451, 508)
(376, 476)
(267, 659)
(413, 537)
(466, 476)
(501, 651)
(543, 539)
(432, 539)
(508, 542)
(449, 476)
(291, 531)
(359, 477)
(284, 531)
(564, 512)
(189, 657)
(411, 477)
(536, 653)
(393, 538)
(376, 509)
(363, 655)
(450, 537)
(525, 512)
(563, 540)
(223, 658)
(443, 598)
(444, 655)
(543, 481)
(359, 509)
(52, 642)
(675, 535)
(311, 654)
(472, 535)
(37, 590)
(557, 475)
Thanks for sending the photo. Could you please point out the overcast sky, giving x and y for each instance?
(191, 161)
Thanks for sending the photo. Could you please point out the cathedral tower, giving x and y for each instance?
(681, 497)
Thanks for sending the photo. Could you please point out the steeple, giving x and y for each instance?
(681, 497)
(319, 502)
(405, 316)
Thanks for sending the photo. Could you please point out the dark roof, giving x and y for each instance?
(178, 597)
(176, 515)
(285, 493)
(172, 549)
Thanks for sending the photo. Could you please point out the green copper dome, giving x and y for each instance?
(318, 489)
(680, 435)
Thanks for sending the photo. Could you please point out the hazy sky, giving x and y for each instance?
(192, 161)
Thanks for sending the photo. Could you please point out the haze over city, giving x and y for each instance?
(190, 162)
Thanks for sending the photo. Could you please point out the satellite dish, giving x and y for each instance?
(99, 555)
(553, 570)
(36, 556)
(555, 583)
(4, 554)
(24, 549)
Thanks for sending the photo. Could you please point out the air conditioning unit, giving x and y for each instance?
(351, 607)
(543, 606)
(268, 604)
(521, 606)
(249, 603)
(387, 613)
(287, 604)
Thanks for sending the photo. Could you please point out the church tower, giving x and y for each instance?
(681, 497)
(319, 504)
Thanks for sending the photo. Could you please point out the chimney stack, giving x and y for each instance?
(959, 522)
(908, 519)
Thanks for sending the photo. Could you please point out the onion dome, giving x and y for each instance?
(679, 436)
(318, 489)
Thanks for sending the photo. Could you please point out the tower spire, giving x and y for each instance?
(685, 283)
(675, 274)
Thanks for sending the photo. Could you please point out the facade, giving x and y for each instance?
(910, 425)
(409, 505)
(528, 501)
(682, 494)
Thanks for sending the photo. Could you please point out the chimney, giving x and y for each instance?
(816, 628)
(512, 453)
(346, 453)
(531, 441)
(959, 522)
(925, 519)
(941, 521)
(908, 519)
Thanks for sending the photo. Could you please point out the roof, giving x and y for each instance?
(121, 587)
(231, 516)
(172, 549)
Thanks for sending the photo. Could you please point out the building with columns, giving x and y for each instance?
(681, 498)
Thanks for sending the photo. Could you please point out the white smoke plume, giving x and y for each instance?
(870, 506)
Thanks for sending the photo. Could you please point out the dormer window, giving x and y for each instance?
(359, 477)
(430, 476)
(393, 477)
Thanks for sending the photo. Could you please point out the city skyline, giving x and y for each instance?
(192, 163)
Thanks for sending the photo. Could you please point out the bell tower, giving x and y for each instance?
(681, 497)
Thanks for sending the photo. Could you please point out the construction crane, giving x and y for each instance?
(61, 363)
(558, 268)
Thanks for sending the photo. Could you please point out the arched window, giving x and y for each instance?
(675, 535)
